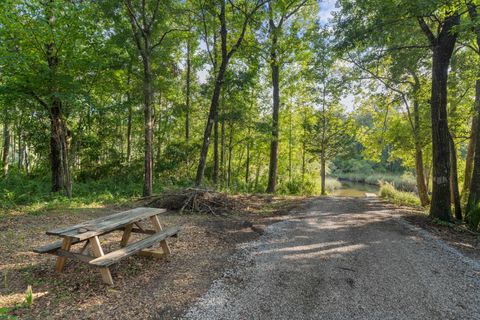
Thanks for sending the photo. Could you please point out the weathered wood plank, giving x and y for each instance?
(151, 253)
(106, 224)
(143, 231)
(52, 247)
(157, 226)
(114, 256)
(66, 244)
(74, 255)
(98, 252)
(126, 235)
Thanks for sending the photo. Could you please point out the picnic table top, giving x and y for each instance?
(102, 225)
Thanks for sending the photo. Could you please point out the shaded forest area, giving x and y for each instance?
(108, 100)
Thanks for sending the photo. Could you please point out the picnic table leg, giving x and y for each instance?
(98, 252)
(67, 243)
(158, 228)
(126, 235)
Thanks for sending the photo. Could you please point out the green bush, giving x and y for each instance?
(332, 184)
(388, 191)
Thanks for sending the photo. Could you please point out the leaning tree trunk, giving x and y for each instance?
(455, 193)
(273, 167)
(210, 122)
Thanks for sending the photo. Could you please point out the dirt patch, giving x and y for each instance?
(144, 288)
(458, 236)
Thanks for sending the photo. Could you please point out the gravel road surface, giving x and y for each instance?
(344, 258)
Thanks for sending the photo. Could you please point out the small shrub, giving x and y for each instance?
(332, 184)
(389, 192)
(28, 297)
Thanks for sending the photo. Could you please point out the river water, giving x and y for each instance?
(354, 189)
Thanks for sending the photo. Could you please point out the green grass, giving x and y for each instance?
(32, 195)
(332, 184)
(389, 192)
(404, 182)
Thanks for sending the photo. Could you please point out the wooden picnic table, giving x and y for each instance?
(89, 232)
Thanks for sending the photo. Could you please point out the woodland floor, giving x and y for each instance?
(223, 251)
(144, 288)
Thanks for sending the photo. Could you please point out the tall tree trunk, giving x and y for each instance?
(470, 151)
(210, 122)
(419, 168)
(215, 150)
(247, 163)
(420, 176)
(58, 134)
(58, 128)
(443, 46)
(219, 78)
(148, 124)
(129, 116)
(323, 171)
(290, 149)
(230, 152)
(6, 147)
(56, 150)
(223, 149)
(187, 94)
(20, 148)
(275, 70)
(475, 131)
(129, 133)
(474, 196)
(455, 192)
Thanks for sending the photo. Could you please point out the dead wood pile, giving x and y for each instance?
(197, 200)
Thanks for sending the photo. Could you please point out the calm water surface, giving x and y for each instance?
(353, 189)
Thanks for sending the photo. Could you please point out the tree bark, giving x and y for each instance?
(472, 164)
(247, 162)
(215, 150)
(474, 195)
(219, 78)
(6, 147)
(455, 192)
(273, 166)
(230, 152)
(443, 46)
(419, 168)
(187, 102)
(322, 172)
(210, 122)
(470, 151)
(148, 125)
(58, 129)
(129, 116)
(420, 176)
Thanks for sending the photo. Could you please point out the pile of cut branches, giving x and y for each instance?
(196, 200)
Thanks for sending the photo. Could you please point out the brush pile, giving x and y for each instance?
(198, 201)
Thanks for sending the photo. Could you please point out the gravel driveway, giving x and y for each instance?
(345, 258)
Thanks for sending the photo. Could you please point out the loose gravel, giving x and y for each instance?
(344, 258)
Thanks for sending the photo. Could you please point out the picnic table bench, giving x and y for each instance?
(89, 232)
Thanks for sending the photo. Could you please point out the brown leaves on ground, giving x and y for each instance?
(144, 288)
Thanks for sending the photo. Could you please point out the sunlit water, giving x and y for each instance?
(353, 189)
